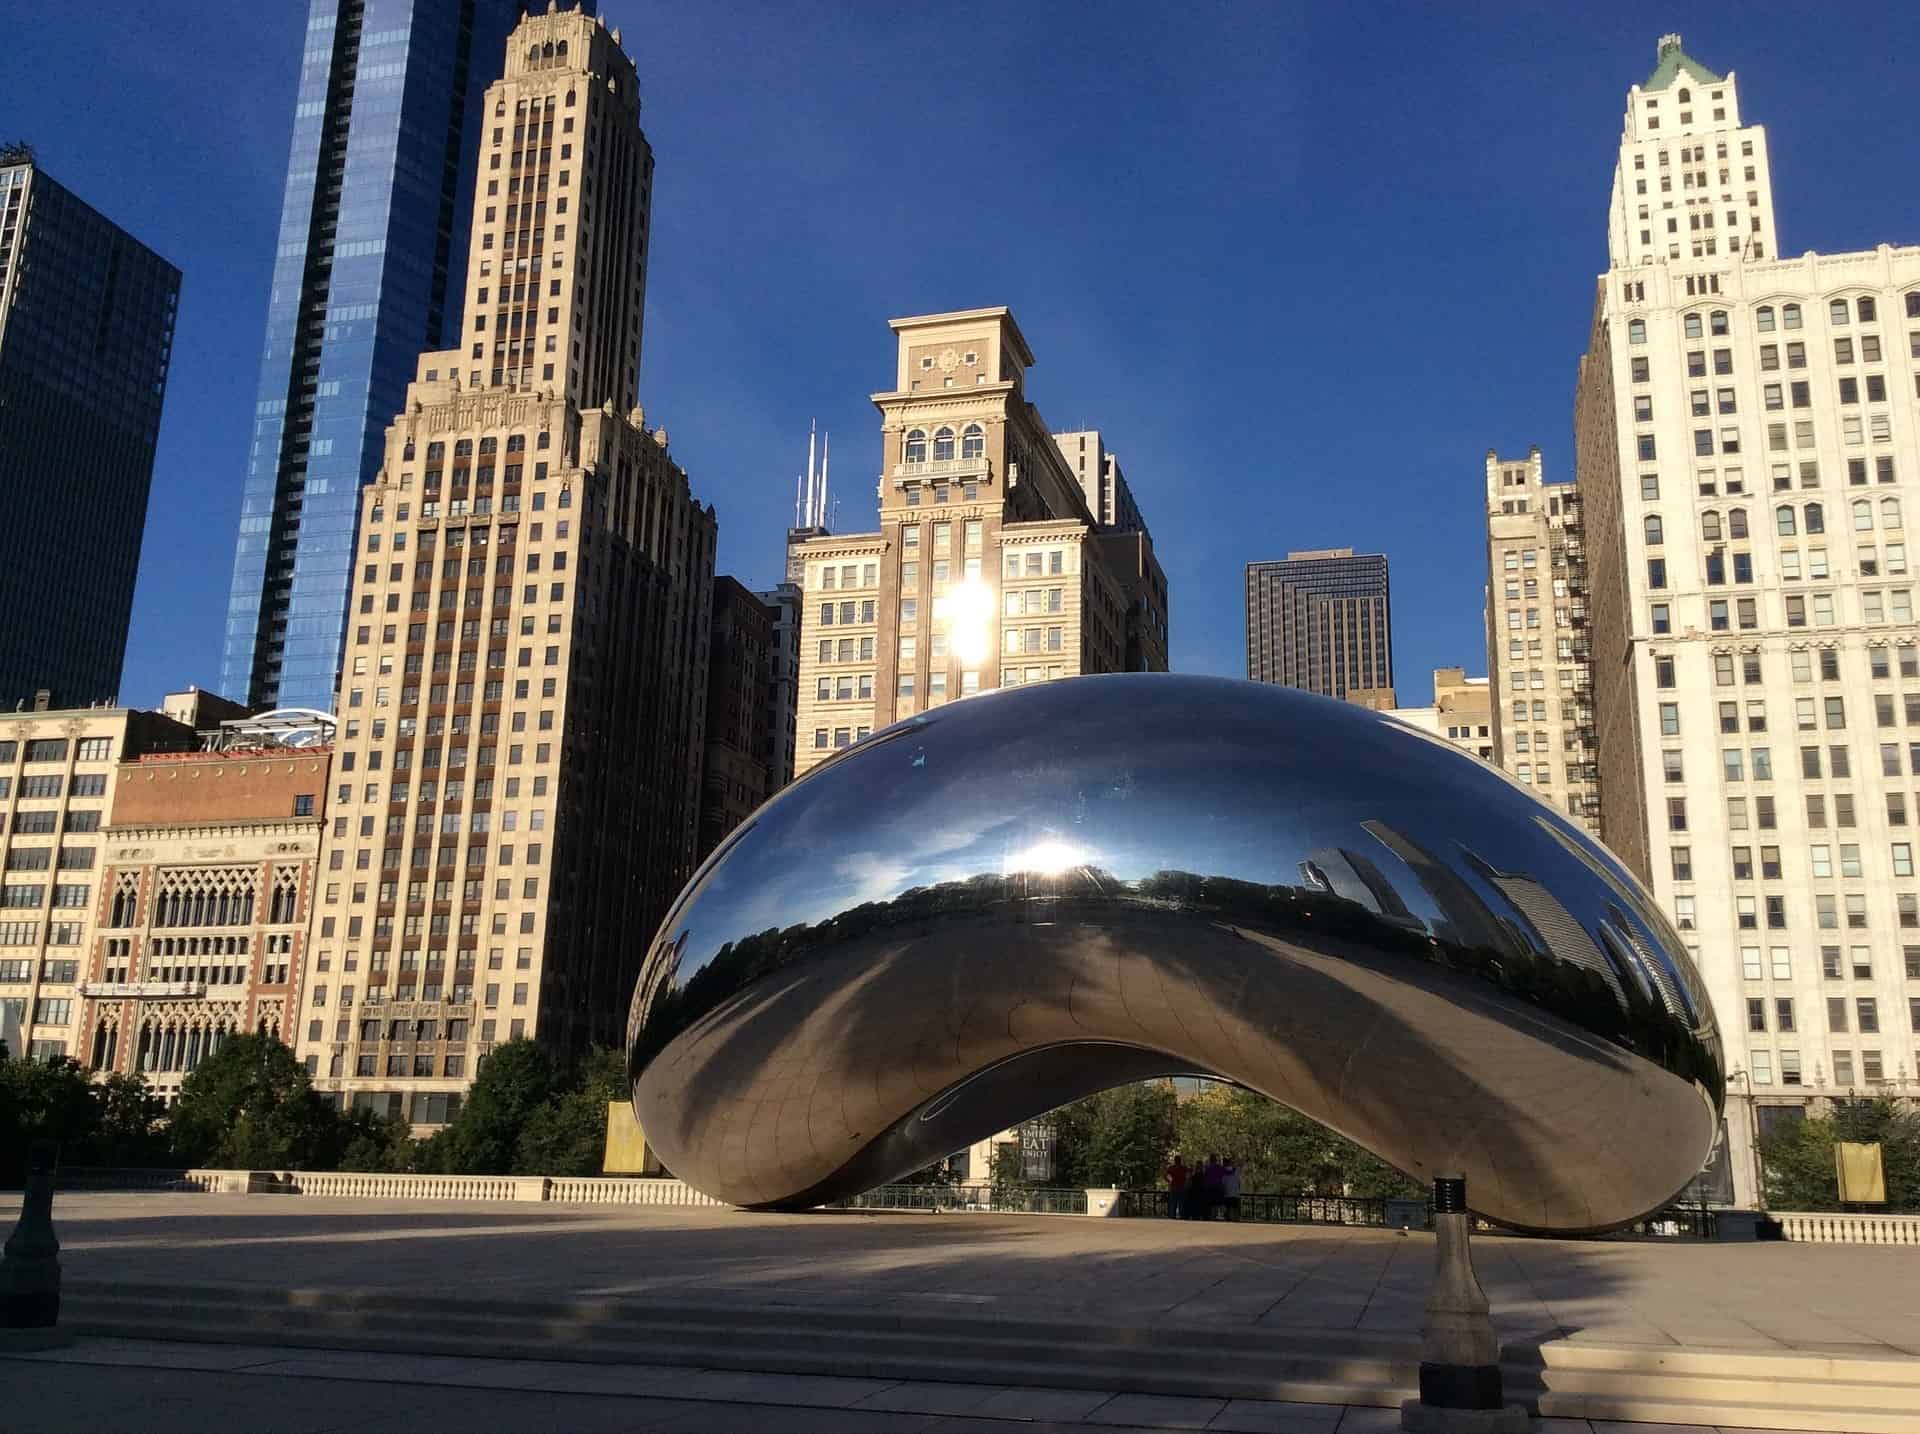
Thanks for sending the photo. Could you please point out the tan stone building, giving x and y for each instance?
(523, 690)
(1462, 711)
(1748, 448)
(989, 569)
(207, 882)
(1539, 639)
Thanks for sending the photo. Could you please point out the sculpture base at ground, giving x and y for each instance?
(1460, 1389)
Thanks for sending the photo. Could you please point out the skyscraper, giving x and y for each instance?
(741, 711)
(1539, 642)
(1321, 620)
(1747, 445)
(522, 704)
(372, 242)
(989, 568)
(86, 328)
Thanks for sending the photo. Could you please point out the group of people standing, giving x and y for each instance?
(1196, 1192)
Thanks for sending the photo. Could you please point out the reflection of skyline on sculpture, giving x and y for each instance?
(1026, 897)
(1468, 899)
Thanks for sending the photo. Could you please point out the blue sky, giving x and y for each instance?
(1303, 264)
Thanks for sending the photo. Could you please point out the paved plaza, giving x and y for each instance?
(162, 1388)
(1841, 1299)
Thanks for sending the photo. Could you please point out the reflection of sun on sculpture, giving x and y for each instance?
(1046, 858)
(1241, 881)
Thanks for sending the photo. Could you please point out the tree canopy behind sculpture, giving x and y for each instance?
(1798, 1156)
(250, 1106)
(1128, 1136)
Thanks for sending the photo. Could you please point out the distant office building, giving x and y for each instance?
(86, 328)
(58, 771)
(373, 233)
(989, 568)
(523, 696)
(1539, 635)
(1126, 544)
(784, 601)
(740, 711)
(1320, 620)
(1097, 469)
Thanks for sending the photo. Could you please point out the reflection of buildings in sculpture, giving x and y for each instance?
(1465, 918)
(1545, 919)
(1354, 877)
(1655, 976)
(1622, 936)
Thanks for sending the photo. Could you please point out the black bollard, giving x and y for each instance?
(1460, 1389)
(30, 1267)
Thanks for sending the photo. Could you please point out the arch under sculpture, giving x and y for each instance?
(1010, 902)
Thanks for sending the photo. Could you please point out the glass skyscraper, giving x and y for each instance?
(366, 277)
(86, 329)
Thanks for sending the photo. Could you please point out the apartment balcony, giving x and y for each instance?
(948, 469)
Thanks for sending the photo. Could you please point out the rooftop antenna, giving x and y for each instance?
(798, 521)
(826, 443)
(813, 480)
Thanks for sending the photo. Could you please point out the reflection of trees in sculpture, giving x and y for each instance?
(1623, 1010)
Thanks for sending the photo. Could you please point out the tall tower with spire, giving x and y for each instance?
(523, 691)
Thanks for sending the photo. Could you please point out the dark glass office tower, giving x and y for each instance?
(1321, 620)
(86, 327)
(367, 276)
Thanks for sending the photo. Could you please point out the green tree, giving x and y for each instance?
(511, 1083)
(133, 1123)
(45, 1099)
(1799, 1158)
(250, 1106)
(1127, 1137)
(1278, 1150)
(566, 1134)
(368, 1142)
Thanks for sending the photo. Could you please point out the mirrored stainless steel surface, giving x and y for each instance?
(1019, 899)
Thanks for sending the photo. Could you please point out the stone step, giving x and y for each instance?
(1805, 1391)
(1751, 1389)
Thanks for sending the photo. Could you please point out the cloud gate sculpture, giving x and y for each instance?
(1010, 902)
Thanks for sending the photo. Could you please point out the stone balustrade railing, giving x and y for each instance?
(1829, 1228)
(1805, 1227)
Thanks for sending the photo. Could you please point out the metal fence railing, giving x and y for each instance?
(1266, 1209)
(1676, 1222)
(1013, 1200)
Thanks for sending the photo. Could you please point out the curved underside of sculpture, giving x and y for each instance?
(1014, 901)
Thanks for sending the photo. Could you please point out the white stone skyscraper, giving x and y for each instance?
(1747, 444)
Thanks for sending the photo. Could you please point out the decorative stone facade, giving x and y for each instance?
(988, 570)
(1747, 452)
(207, 886)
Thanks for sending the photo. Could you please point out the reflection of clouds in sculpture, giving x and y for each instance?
(1197, 875)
